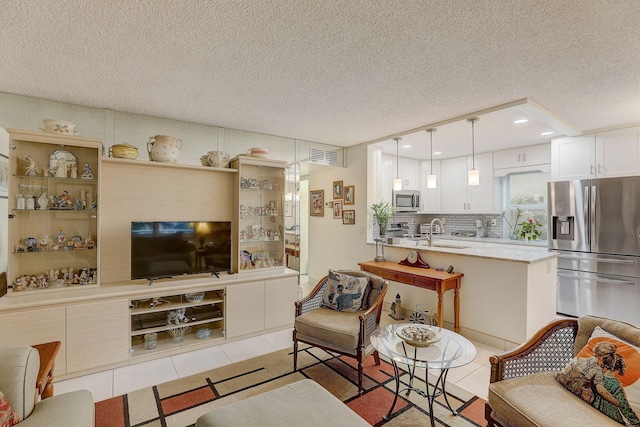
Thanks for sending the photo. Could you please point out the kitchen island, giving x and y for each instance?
(509, 290)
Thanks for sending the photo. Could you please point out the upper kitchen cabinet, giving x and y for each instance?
(522, 157)
(456, 196)
(409, 171)
(430, 197)
(605, 154)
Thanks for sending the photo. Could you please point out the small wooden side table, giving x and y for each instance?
(48, 352)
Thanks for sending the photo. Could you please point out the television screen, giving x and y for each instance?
(166, 249)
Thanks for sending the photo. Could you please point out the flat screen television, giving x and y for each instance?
(162, 249)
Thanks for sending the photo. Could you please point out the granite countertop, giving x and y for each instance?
(483, 247)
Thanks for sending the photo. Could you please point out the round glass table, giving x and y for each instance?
(451, 351)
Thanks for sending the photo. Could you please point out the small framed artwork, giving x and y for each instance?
(337, 209)
(337, 189)
(316, 202)
(349, 217)
(350, 195)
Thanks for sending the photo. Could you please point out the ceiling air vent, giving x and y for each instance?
(323, 156)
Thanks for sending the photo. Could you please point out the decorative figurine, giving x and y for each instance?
(60, 238)
(61, 170)
(32, 168)
(74, 170)
(87, 174)
(396, 309)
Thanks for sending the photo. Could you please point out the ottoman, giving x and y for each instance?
(301, 403)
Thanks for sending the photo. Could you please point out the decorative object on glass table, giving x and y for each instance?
(418, 336)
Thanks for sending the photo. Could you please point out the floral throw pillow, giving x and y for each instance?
(344, 292)
(7, 416)
(605, 374)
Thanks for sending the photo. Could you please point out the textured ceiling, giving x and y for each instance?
(337, 72)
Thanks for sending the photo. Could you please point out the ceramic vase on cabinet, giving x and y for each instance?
(164, 148)
(218, 159)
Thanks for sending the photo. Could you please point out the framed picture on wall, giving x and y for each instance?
(349, 217)
(316, 203)
(337, 209)
(350, 195)
(337, 189)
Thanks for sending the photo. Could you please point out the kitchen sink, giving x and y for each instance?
(442, 245)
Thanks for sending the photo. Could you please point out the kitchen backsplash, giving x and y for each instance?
(452, 223)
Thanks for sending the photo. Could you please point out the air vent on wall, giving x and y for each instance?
(323, 156)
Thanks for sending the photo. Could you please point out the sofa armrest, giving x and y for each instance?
(550, 349)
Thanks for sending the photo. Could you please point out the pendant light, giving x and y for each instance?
(431, 178)
(397, 183)
(474, 175)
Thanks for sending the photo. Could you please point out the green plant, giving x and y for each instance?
(531, 229)
(382, 212)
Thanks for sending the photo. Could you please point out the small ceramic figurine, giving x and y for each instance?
(87, 174)
(61, 169)
(74, 170)
(32, 168)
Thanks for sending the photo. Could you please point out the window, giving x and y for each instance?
(525, 196)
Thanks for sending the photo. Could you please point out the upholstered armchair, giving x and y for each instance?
(346, 333)
(22, 384)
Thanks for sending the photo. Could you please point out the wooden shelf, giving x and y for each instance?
(146, 163)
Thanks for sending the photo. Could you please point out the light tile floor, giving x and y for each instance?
(473, 377)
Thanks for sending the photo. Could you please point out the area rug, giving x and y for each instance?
(179, 403)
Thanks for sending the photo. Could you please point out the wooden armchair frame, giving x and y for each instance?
(369, 321)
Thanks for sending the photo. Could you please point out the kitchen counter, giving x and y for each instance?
(483, 247)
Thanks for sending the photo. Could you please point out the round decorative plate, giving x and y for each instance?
(418, 335)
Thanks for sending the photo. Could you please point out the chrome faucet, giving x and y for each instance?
(431, 229)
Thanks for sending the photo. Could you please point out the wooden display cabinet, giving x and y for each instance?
(53, 191)
(259, 228)
(161, 315)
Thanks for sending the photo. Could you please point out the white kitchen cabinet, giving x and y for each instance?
(522, 157)
(600, 155)
(456, 195)
(430, 197)
(409, 172)
(573, 158)
(387, 174)
(618, 153)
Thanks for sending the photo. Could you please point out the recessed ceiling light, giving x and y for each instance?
(435, 153)
(406, 146)
(520, 121)
(547, 133)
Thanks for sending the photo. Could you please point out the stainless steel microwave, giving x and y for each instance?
(406, 201)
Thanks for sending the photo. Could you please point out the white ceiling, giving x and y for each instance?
(336, 72)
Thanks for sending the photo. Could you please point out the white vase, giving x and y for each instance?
(43, 200)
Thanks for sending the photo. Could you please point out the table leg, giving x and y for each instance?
(396, 374)
(441, 309)
(456, 307)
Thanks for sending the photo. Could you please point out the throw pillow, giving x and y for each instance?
(8, 417)
(344, 292)
(605, 374)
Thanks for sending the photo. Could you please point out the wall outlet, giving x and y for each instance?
(493, 222)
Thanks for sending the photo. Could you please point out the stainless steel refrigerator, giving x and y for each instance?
(595, 227)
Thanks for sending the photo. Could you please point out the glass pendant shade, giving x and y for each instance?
(431, 181)
(474, 177)
(397, 184)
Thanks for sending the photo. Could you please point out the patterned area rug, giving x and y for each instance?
(180, 402)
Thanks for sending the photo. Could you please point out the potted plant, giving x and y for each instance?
(530, 230)
(382, 212)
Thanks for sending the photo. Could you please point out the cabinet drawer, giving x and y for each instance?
(397, 277)
(426, 283)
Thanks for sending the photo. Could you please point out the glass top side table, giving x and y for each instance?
(451, 351)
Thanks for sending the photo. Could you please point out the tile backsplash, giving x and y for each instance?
(452, 223)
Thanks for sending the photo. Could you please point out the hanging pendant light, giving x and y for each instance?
(397, 183)
(474, 175)
(431, 178)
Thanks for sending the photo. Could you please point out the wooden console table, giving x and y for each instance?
(427, 278)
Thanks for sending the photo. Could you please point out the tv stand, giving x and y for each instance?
(151, 279)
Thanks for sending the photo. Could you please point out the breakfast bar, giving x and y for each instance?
(427, 278)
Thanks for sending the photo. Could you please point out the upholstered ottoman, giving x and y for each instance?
(301, 403)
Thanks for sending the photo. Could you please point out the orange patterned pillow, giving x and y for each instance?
(605, 374)
(8, 417)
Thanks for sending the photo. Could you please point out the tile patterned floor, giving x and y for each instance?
(473, 377)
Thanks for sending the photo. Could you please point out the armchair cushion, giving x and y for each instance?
(8, 417)
(607, 368)
(344, 292)
(324, 325)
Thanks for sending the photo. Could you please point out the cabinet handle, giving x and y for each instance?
(524, 157)
(599, 169)
(592, 169)
(519, 157)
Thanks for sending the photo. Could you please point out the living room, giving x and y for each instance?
(241, 117)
